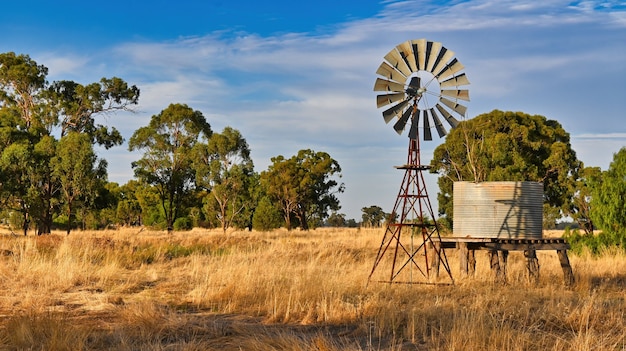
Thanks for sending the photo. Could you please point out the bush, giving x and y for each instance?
(266, 216)
(183, 223)
(595, 244)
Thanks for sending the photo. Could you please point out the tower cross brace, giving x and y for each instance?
(410, 246)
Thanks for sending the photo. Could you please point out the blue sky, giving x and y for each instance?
(295, 75)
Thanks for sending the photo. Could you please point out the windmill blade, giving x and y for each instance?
(445, 56)
(453, 122)
(461, 79)
(456, 94)
(427, 134)
(388, 85)
(414, 122)
(450, 69)
(406, 50)
(395, 110)
(460, 109)
(421, 53)
(429, 45)
(391, 73)
(396, 60)
(441, 130)
(401, 123)
(382, 100)
(432, 55)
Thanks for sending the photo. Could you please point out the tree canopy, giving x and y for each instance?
(509, 146)
(167, 143)
(608, 202)
(304, 186)
(224, 168)
(373, 216)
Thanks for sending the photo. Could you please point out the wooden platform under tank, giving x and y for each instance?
(499, 251)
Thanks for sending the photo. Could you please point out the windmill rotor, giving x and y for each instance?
(422, 80)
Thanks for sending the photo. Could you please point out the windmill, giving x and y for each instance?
(422, 83)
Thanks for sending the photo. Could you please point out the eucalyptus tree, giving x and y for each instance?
(511, 146)
(167, 143)
(224, 168)
(25, 129)
(78, 171)
(22, 82)
(16, 162)
(304, 186)
(373, 216)
(608, 200)
(281, 184)
(128, 211)
(580, 207)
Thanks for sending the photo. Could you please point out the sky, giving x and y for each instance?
(300, 75)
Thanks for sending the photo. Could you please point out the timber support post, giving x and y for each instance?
(435, 254)
(471, 262)
(568, 275)
(494, 263)
(464, 258)
(503, 255)
(532, 265)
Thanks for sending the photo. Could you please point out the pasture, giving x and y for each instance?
(205, 290)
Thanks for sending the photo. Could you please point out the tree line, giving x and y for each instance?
(188, 175)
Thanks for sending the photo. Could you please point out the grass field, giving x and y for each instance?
(199, 290)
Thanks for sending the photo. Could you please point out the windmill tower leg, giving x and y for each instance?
(412, 233)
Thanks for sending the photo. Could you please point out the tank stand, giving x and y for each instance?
(498, 254)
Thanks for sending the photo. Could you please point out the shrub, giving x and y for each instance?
(595, 244)
(183, 223)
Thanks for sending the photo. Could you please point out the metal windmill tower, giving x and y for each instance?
(422, 81)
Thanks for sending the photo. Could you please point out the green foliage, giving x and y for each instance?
(508, 146)
(77, 106)
(224, 168)
(77, 171)
(266, 216)
(608, 203)
(128, 212)
(336, 220)
(594, 244)
(373, 216)
(102, 219)
(167, 143)
(580, 208)
(183, 223)
(304, 186)
(40, 175)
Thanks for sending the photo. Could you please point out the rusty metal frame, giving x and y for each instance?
(412, 205)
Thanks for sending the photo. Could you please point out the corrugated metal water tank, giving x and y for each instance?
(506, 210)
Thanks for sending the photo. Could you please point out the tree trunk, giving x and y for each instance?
(26, 223)
(69, 217)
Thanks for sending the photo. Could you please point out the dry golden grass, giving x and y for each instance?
(200, 290)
